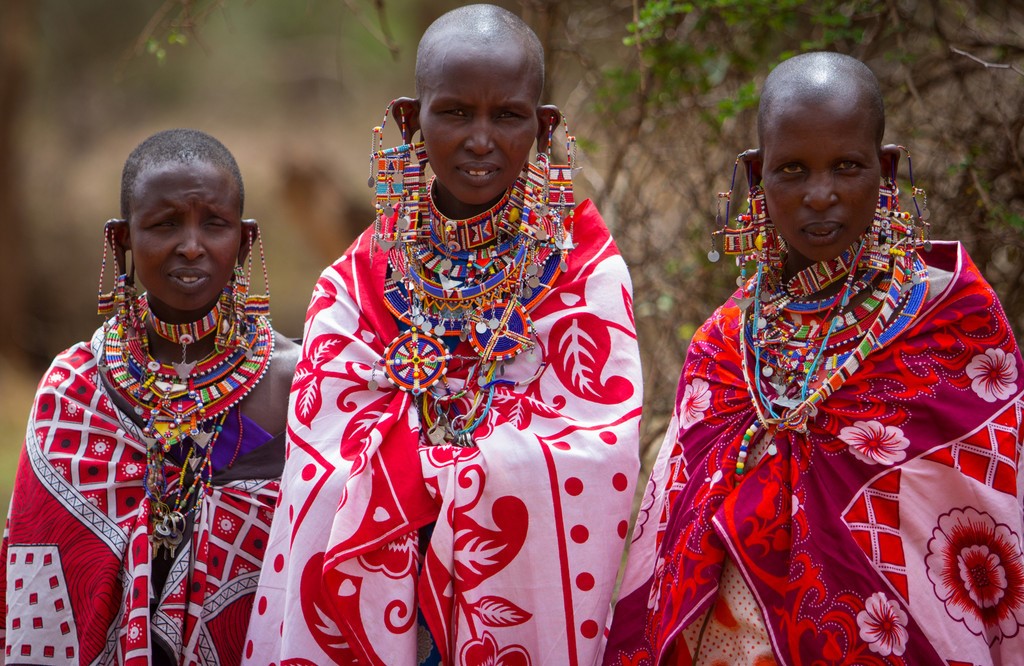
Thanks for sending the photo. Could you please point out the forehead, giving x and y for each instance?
(172, 180)
(471, 68)
(817, 122)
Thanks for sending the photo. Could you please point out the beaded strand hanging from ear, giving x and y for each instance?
(475, 280)
(797, 346)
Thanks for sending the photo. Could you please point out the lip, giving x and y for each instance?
(188, 279)
(822, 233)
(478, 172)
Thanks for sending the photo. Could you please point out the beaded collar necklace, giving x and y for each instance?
(182, 408)
(904, 298)
(455, 281)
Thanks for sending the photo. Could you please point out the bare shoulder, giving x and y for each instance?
(286, 356)
(267, 405)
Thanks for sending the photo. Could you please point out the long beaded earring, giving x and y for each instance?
(256, 305)
(400, 195)
(922, 228)
(107, 302)
(755, 237)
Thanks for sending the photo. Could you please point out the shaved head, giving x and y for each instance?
(476, 26)
(817, 77)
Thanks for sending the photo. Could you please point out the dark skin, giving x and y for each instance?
(479, 117)
(820, 166)
(185, 234)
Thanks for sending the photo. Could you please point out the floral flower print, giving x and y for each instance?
(875, 443)
(976, 567)
(993, 375)
(883, 625)
(696, 401)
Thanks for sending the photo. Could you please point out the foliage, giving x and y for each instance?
(674, 115)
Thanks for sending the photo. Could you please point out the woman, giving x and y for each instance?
(150, 471)
(463, 435)
(840, 484)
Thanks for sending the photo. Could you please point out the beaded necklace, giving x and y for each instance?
(792, 402)
(476, 280)
(182, 409)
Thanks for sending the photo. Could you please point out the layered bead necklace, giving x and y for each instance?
(183, 404)
(452, 282)
(790, 366)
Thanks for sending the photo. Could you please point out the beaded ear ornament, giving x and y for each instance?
(475, 280)
(791, 362)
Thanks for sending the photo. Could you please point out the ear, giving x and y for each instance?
(250, 232)
(406, 112)
(548, 117)
(889, 158)
(119, 234)
(752, 162)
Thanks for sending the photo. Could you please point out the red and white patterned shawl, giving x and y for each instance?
(890, 534)
(76, 553)
(530, 525)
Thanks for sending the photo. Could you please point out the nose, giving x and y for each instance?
(481, 137)
(821, 191)
(190, 245)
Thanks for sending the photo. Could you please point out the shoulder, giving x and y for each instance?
(286, 356)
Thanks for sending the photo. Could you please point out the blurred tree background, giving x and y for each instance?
(662, 95)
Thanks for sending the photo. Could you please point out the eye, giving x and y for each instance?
(457, 113)
(791, 168)
(846, 165)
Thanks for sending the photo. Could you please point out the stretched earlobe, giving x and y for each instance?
(548, 117)
(406, 112)
(250, 232)
(119, 235)
(752, 161)
(889, 159)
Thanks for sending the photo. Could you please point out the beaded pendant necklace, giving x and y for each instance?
(183, 404)
(451, 282)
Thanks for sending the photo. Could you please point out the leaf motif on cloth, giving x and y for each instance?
(316, 611)
(499, 612)
(325, 293)
(581, 345)
(481, 552)
(308, 400)
(484, 651)
(395, 559)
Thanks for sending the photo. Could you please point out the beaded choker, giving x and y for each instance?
(185, 334)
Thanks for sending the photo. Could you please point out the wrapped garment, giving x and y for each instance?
(889, 533)
(79, 569)
(528, 526)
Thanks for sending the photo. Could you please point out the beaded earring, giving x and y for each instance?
(107, 302)
(239, 306)
(755, 238)
(894, 232)
(400, 196)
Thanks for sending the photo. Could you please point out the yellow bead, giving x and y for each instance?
(759, 241)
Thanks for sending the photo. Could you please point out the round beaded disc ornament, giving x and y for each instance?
(509, 324)
(413, 361)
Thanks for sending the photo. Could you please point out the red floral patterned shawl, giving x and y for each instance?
(889, 534)
(530, 526)
(76, 553)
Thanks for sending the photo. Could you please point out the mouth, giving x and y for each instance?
(189, 279)
(478, 172)
(822, 233)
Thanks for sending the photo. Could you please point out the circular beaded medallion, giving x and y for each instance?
(513, 336)
(413, 361)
